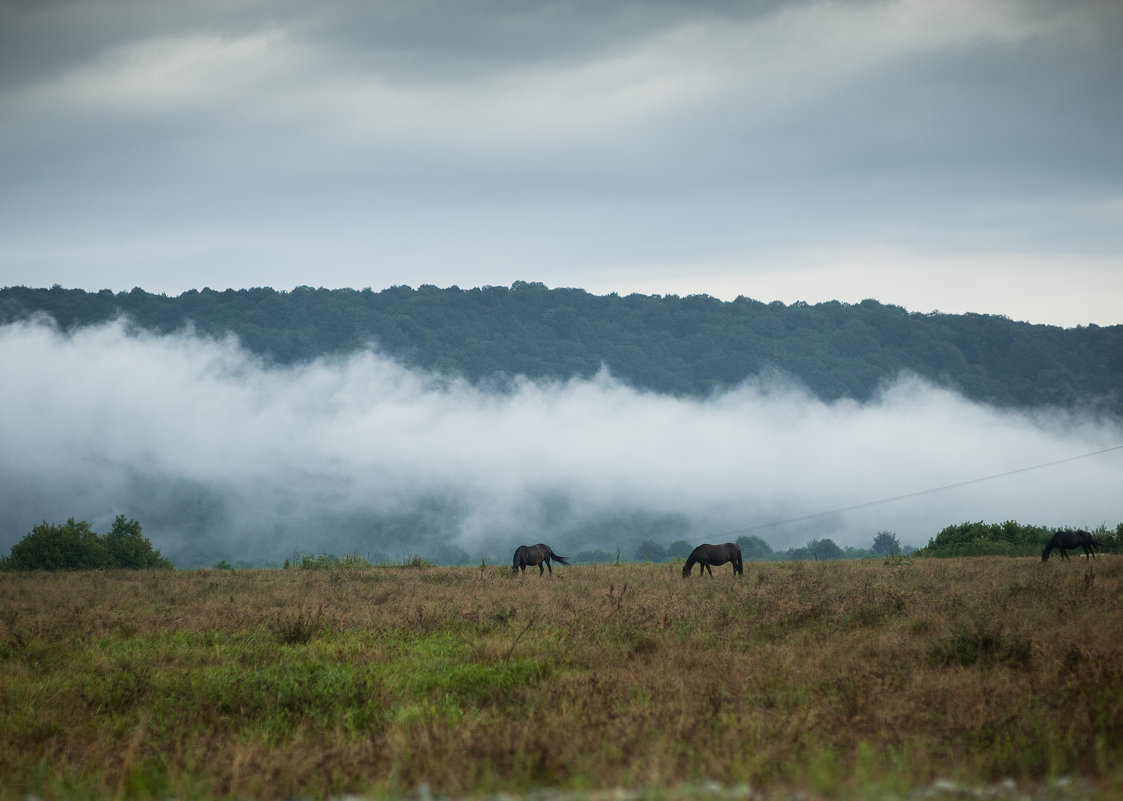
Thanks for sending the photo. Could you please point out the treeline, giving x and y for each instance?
(76, 546)
(960, 540)
(1007, 539)
(689, 345)
(755, 549)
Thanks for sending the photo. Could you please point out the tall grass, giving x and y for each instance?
(838, 679)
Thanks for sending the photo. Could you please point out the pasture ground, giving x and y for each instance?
(874, 679)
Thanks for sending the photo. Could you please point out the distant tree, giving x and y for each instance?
(324, 561)
(754, 549)
(650, 551)
(679, 549)
(75, 546)
(885, 544)
(70, 546)
(1112, 539)
(824, 550)
(127, 547)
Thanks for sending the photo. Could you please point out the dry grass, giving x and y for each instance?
(839, 679)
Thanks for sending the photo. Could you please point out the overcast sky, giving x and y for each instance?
(935, 154)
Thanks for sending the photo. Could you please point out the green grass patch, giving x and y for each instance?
(835, 680)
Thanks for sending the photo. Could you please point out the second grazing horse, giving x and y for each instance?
(706, 555)
(535, 555)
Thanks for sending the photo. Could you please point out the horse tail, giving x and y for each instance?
(1091, 544)
(559, 559)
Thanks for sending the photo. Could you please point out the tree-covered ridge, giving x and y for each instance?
(681, 345)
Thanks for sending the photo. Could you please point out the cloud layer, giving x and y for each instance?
(219, 456)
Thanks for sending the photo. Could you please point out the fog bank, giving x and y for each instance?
(221, 456)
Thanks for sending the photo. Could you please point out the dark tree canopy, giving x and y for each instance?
(755, 549)
(679, 345)
(1006, 539)
(75, 546)
(885, 544)
(650, 551)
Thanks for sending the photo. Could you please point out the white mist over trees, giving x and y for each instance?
(693, 345)
(221, 456)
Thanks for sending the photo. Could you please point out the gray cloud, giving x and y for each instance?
(219, 456)
(756, 148)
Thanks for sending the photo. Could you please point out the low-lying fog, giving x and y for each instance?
(219, 456)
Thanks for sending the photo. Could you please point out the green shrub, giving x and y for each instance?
(127, 547)
(988, 539)
(75, 546)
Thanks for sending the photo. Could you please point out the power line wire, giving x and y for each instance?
(868, 504)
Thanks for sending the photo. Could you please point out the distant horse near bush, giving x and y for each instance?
(535, 555)
(1065, 541)
(706, 555)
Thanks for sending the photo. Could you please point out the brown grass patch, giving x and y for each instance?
(833, 678)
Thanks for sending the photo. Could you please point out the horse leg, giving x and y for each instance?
(541, 570)
(551, 569)
(711, 570)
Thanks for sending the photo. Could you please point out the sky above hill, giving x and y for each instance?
(935, 154)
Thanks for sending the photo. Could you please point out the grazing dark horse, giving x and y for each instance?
(1064, 541)
(535, 555)
(706, 555)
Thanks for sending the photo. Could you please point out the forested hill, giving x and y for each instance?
(682, 345)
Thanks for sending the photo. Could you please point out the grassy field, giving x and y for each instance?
(845, 679)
